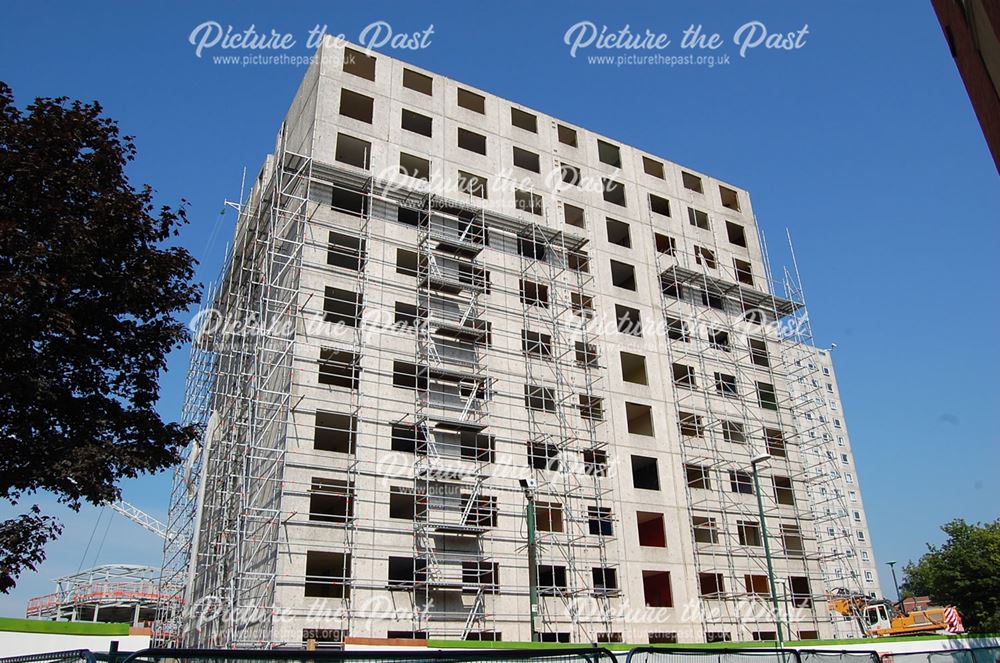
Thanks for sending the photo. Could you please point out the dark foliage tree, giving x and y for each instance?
(964, 572)
(89, 289)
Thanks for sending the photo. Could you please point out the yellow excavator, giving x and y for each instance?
(879, 618)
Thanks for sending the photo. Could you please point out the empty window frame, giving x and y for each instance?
(416, 123)
(665, 244)
(342, 306)
(743, 270)
(730, 198)
(718, 339)
(578, 261)
(697, 476)
(583, 305)
(345, 251)
(758, 352)
(359, 64)
(791, 540)
(614, 192)
(595, 462)
(566, 135)
(609, 154)
(549, 516)
(331, 500)
(338, 368)
(691, 425)
(774, 440)
(691, 182)
(408, 376)
(748, 532)
(733, 432)
(526, 160)
(725, 385)
(653, 167)
(573, 216)
(677, 330)
(334, 432)
(569, 174)
(405, 572)
(659, 205)
(408, 438)
(591, 407)
(551, 580)
(711, 585)
(740, 482)
(712, 299)
(418, 82)
(767, 397)
(705, 529)
(706, 257)
(413, 166)
(684, 376)
(633, 368)
(640, 419)
(801, 593)
(623, 275)
(471, 101)
(353, 151)
(543, 456)
(536, 344)
(605, 579)
(645, 475)
(327, 574)
(356, 106)
(629, 320)
(698, 219)
(656, 589)
(783, 491)
(474, 185)
(406, 262)
(471, 141)
(652, 533)
(524, 120)
(539, 398)
(529, 247)
(534, 294)
(405, 316)
(599, 520)
(736, 234)
(478, 575)
(618, 233)
(528, 201)
(718, 636)
(756, 585)
(586, 353)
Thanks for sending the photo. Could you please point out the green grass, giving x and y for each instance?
(64, 628)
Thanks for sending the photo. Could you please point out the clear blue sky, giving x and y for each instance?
(862, 142)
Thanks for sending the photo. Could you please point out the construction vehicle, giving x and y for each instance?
(880, 618)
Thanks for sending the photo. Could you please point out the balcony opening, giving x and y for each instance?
(609, 154)
(618, 233)
(705, 529)
(480, 575)
(327, 575)
(640, 419)
(526, 160)
(409, 216)
(614, 192)
(652, 533)
(633, 368)
(338, 368)
(479, 447)
(691, 182)
(356, 106)
(418, 82)
(360, 64)
(414, 166)
(417, 123)
(712, 299)
(623, 275)
(656, 589)
(645, 474)
(353, 151)
(578, 261)
(334, 432)
(331, 500)
(528, 247)
(566, 135)
(659, 205)
(345, 251)
(736, 234)
(471, 101)
(730, 199)
(711, 585)
(653, 167)
(523, 120)
(342, 306)
(471, 141)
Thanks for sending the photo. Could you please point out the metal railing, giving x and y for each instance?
(589, 655)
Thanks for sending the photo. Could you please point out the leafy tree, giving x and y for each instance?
(88, 293)
(964, 572)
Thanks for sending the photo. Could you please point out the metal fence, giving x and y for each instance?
(72, 656)
(589, 655)
(973, 655)
(830, 656)
(713, 655)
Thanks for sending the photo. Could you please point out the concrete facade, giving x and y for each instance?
(448, 344)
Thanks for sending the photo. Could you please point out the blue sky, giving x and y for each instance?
(862, 142)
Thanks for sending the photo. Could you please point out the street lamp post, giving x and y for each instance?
(767, 546)
(528, 486)
(899, 598)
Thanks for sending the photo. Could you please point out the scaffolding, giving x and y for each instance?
(115, 593)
